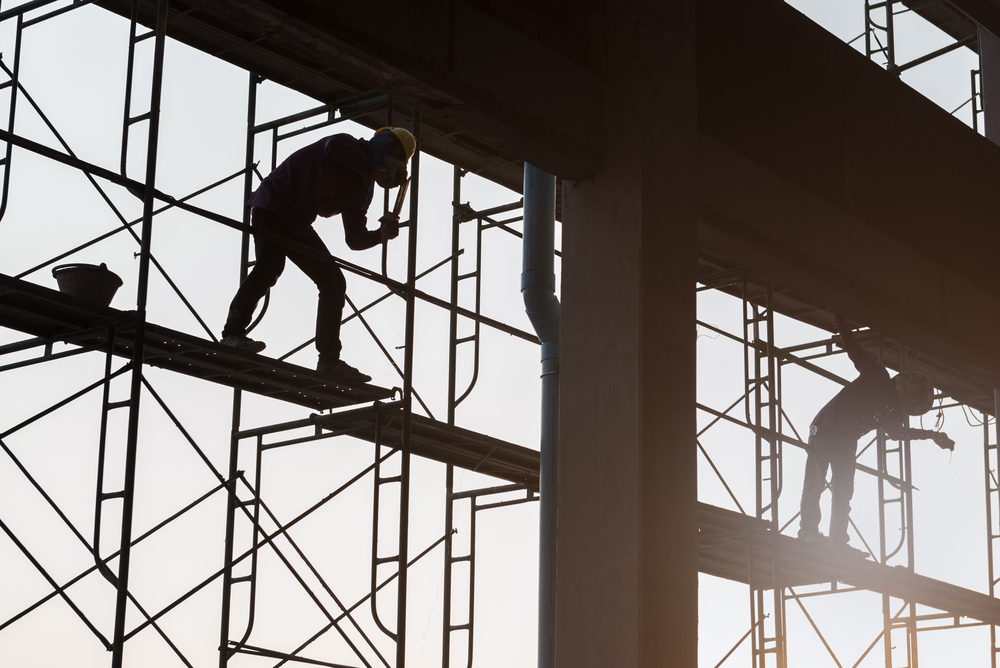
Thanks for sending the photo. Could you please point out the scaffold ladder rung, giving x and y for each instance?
(101, 496)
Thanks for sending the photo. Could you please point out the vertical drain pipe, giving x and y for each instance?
(538, 288)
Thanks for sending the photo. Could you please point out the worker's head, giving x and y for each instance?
(402, 139)
(916, 394)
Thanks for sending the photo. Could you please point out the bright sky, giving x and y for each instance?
(74, 67)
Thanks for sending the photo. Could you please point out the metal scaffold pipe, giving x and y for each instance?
(538, 288)
(128, 493)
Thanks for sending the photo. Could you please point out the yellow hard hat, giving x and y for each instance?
(404, 137)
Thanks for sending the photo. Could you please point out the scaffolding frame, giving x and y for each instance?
(380, 414)
(880, 41)
(387, 421)
(765, 420)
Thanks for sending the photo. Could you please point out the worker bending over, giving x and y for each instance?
(871, 401)
(335, 175)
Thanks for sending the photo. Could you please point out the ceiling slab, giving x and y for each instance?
(984, 12)
(490, 96)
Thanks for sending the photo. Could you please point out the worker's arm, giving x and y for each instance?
(900, 432)
(863, 362)
(356, 232)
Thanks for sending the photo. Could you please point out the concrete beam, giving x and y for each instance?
(984, 12)
(491, 95)
(834, 260)
(467, 69)
(814, 111)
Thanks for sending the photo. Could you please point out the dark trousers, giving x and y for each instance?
(271, 262)
(814, 483)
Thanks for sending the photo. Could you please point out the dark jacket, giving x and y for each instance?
(328, 177)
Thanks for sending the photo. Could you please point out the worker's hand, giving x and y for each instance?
(943, 441)
(389, 226)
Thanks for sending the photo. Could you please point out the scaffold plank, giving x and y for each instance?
(441, 442)
(52, 315)
(741, 548)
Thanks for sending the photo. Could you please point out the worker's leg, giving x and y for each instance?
(266, 270)
(332, 285)
(813, 485)
(843, 491)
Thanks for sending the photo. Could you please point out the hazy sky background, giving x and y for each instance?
(74, 68)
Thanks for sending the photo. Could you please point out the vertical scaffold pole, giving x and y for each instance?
(990, 460)
(449, 520)
(888, 49)
(761, 379)
(234, 441)
(14, 84)
(385, 197)
(976, 97)
(911, 624)
(884, 502)
(766, 409)
(140, 334)
(882, 453)
(404, 492)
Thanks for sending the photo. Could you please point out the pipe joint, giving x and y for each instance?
(538, 279)
(550, 357)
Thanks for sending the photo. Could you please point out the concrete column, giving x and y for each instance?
(627, 578)
(989, 65)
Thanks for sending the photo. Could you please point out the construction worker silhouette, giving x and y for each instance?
(335, 175)
(872, 400)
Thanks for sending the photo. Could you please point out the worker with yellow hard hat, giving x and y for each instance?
(335, 175)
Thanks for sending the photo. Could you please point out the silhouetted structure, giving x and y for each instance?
(723, 143)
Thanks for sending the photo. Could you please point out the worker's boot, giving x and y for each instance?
(850, 551)
(344, 371)
(242, 342)
(815, 537)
